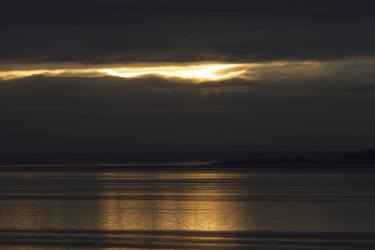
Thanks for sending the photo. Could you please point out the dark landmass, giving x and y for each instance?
(360, 157)
(354, 161)
(252, 162)
(268, 161)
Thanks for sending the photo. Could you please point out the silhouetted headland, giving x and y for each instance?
(69, 161)
(365, 158)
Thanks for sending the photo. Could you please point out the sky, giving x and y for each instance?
(163, 75)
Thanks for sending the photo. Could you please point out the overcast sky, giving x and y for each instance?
(312, 86)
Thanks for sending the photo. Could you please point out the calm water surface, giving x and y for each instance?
(186, 209)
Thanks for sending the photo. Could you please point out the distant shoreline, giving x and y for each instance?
(293, 160)
(254, 165)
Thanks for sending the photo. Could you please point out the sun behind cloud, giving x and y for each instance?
(195, 73)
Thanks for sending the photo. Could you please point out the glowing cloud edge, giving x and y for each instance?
(195, 73)
(192, 73)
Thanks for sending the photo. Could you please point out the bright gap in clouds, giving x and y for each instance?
(194, 73)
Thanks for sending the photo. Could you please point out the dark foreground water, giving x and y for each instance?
(186, 208)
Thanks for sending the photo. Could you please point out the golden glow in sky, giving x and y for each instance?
(200, 73)
(194, 73)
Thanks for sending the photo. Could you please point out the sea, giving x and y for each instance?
(186, 206)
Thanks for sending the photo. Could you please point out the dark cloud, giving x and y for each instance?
(192, 41)
(139, 31)
(108, 114)
(94, 13)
